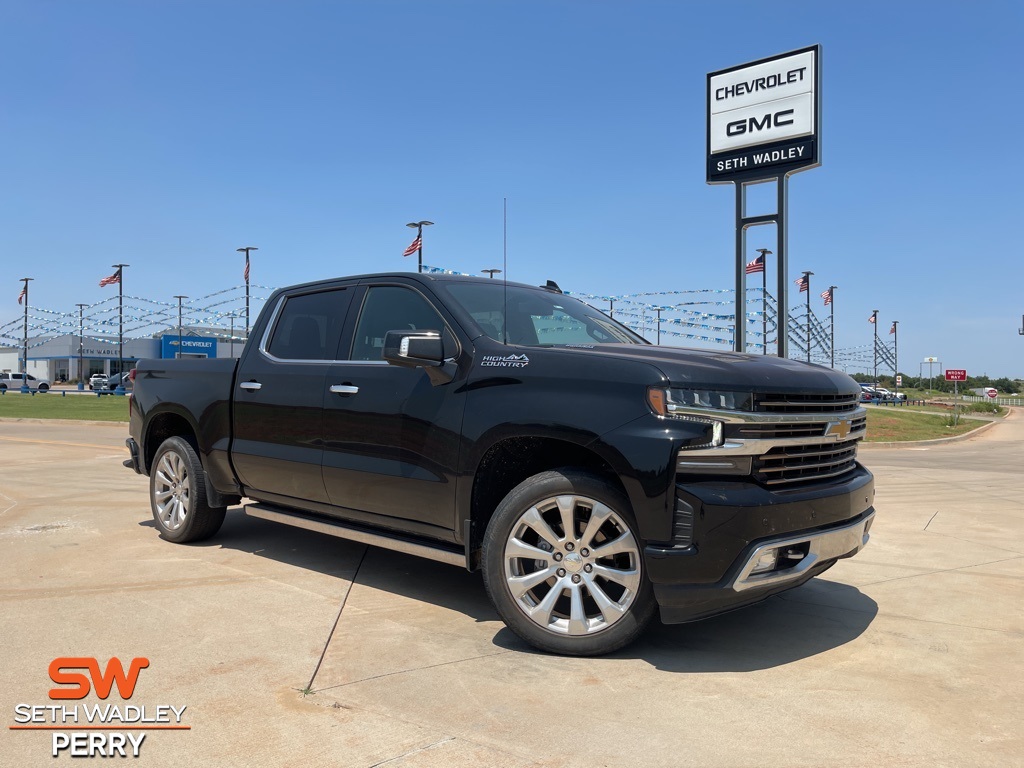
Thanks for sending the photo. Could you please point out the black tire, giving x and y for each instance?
(590, 603)
(177, 494)
(44, 387)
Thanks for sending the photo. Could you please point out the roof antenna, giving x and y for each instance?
(504, 266)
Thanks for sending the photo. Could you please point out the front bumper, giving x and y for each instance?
(736, 523)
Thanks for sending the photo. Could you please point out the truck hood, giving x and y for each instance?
(734, 371)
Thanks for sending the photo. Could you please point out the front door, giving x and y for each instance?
(391, 438)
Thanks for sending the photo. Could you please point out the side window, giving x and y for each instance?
(390, 308)
(309, 326)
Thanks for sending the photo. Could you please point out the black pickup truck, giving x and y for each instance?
(591, 476)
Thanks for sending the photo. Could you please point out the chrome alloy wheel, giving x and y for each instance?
(171, 490)
(572, 565)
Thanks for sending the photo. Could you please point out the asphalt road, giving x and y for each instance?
(908, 655)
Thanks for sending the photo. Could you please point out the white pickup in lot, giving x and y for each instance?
(15, 380)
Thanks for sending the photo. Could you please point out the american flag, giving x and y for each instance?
(827, 296)
(871, 319)
(23, 294)
(414, 246)
(893, 329)
(245, 274)
(755, 266)
(803, 282)
(113, 279)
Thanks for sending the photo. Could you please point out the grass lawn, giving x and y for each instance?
(893, 425)
(53, 406)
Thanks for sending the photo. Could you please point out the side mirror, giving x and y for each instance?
(414, 349)
(419, 349)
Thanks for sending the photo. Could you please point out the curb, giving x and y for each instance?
(16, 419)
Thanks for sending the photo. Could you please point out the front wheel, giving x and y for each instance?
(177, 494)
(563, 565)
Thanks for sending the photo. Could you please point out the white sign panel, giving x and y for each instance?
(761, 123)
(770, 105)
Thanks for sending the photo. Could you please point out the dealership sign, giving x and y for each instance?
(764, 118)
(190, 346)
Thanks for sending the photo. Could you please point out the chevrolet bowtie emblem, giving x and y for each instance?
(839, 429)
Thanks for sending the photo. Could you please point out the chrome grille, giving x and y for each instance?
(784, 465)
(770, 431)
(805, 403)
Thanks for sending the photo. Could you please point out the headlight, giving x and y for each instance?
(681, 404)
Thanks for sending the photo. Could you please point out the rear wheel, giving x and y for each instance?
(564, 567)
(177, 494)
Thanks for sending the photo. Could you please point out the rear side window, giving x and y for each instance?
(309, 326)
(390, 308)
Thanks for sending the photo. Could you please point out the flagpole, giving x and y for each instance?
(246, 274)
(418, 226)
(874, 322)
(764, 299)
(24, 358)
(832, 320)
(764, 307)
(807, 280)
(120, 325)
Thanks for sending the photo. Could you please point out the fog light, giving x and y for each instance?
(766, 562)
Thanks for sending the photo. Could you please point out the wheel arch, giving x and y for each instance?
(510, 461)
(169, 422)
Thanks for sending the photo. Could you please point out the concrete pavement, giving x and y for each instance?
(909, 654)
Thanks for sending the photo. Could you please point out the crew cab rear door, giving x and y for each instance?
(279, 395)
(391, 438)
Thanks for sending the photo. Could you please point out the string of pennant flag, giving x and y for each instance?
(681, 311)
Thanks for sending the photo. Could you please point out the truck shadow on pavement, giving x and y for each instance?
(804, 622)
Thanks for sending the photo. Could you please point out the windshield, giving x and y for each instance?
(537, 317)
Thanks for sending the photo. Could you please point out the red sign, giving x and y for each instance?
(992, 393)
(956, 374)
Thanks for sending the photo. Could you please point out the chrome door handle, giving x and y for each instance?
(344, 389)
(251, 386)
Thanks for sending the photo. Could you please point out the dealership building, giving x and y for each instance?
(56, 358)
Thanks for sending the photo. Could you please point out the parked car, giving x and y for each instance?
(885, 394)
(14, 381)
(119, 380)
(98, 381)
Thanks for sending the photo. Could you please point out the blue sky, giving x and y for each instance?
(166, 135)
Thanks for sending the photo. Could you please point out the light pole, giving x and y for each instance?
(81, 344)
(806, 286)
(658, 310)
(24, 356)
(417, 244)
(246, 276)
(896, 357)
(179, 298)
(611, 308)
(765, 253)
(491, 272)
(874, 322)
(231, 339)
